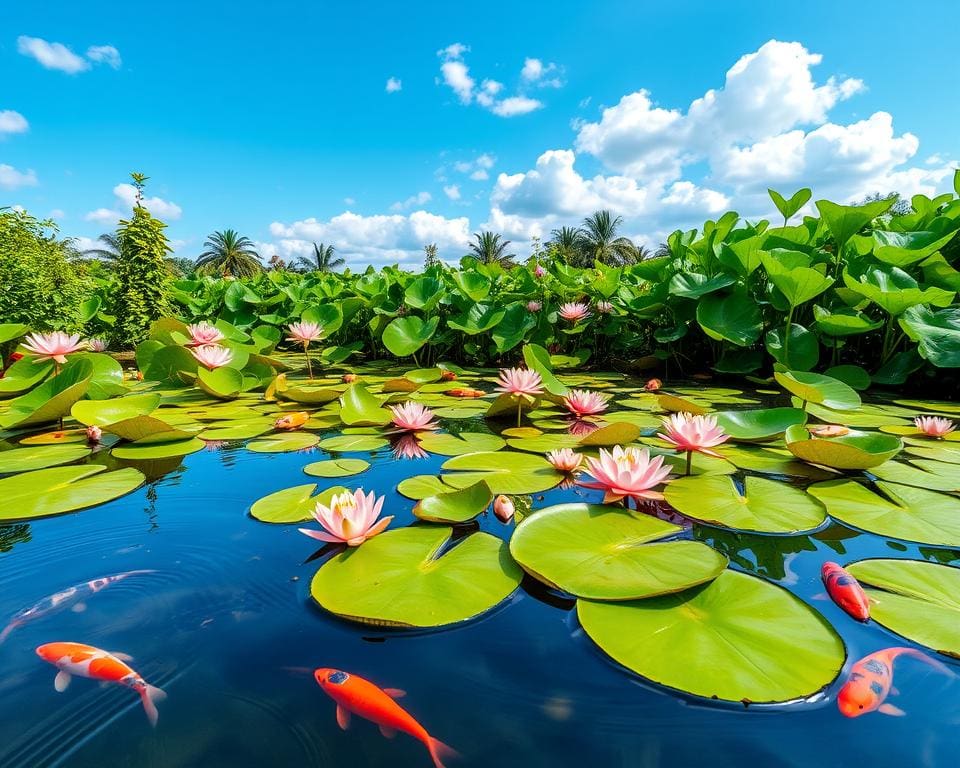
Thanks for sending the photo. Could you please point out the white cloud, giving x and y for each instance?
(456, 75)
(58, 56)
(126, 195)
(11, 178)
(349, 201)
(421, 198)
(532, 69)
(57, 213)
(453, 192)
(393, 85)
(105, 54)
(477, 168)
(516, 105)
(453, 51)
(12, 122)
(535, 72)
(104, 216)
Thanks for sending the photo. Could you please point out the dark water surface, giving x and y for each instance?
(227, 628)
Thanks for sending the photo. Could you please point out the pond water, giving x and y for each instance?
(225, 624)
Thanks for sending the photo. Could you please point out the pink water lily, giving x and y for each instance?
(303, 333)
(693, 434)
(534, 306)
(604, 307)
(934, 426)
(411, 416)
(626, 473)
(522, 384)
(212, 356)
(581, 427)
(350, 519)
(55, 345)
(406, 446)
(503, 508)
(203, 333)
(94, 433)
(96, 345)
(565, 460)
(574, 311)
(582, 402)
(539, 271)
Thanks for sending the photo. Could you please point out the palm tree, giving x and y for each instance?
(490, 249)
(109, 251)
(567, 243)
(322, 261)
(601, 243)
(229, 253)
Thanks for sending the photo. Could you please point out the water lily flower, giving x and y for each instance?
(203, 333)
(503, 508)
(653, 385)
(350, 519)
(212, 356)
(934, 426)
(522, 384)
(94, 433)
(693, 434)
(406, 446)
(96, 345)
(626, 473)
(582, 402)
(534, 306)
(574, 311)
(828, 430)
(411, 417)
(604, 307)
(539, 271)
(55, 346)
(303, 333)
(565, 460)
(581, 427)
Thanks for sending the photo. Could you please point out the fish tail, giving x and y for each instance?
(7, 630)
(921, 656)
(150, 696)
(440, 750)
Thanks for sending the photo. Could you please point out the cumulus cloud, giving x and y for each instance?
(455, 74)
(516, 105)
(105, 54)
(393, 85)
(60, 57)
(11, 178)
(126, 195)
(12, 122)
(421, 198)
(452, 191)
(535, 72)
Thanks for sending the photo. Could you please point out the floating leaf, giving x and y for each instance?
(24, 375)
(104, 412)
(772, 461)
(223, 383)
(765, 506)
(617, 433)
(292, 505)
(357, 443)
(41, 456)
(675, 404)
(761, 424)
(933, 475)
(359, 408)
(509, 473)
(604, 553)
(456, 507)
(337, 467)
(458, 445)
(819, 389)
(148, 429)
(739, 638)
(400, 578)
(854, 450)
(165, 450)
(47, 492)
(51, 400)
(282, 442)
(422, 486)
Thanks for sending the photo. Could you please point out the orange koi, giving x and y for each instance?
(871, 680)
(292, 420)
(463, 392)
(349, 378)
(448, 376)
(360, 697)
(653, 385)
(828, 430)
(845, 591)
(86, 661)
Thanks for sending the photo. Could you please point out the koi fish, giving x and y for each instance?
(349, 378)
(448, 376)
(71, 597)
(828, 430)
(845, 591)
(653, 385)
(86, 661)
(354, 695)
(464, 392)
(871, 680)
(292, 420)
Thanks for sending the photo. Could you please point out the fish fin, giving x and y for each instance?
(890, 709)
(820, 596)
(395, 693)
(121, 656)
(894, 691)
(150, 696)
(343, 718)
(7, 630)
(439, 750)
(62, 681)
(388, 733)
(921, 656)
(79, 608)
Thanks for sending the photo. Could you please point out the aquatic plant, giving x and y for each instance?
(626, 473)
(690, 434)
(350, 518)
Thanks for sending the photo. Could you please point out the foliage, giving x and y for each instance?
(229, 254)
(323, 259)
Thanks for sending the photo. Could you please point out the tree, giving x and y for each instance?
(322, 260)
(430, 256)
(601, 242)
(491, 249)
(567, 243)
(108, 251)
(229, 254)
(141, 272)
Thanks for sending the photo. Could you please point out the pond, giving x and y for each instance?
(215, 606)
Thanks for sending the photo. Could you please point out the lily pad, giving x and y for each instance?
(910, 514)
(149, 429)
(423, 486)
(456, 507)
(739, 638)
(505, 472)
(759, 425)
(337, 467)
(674, 404)
(51, 400)
(292, 505)
(617, 433)
(916, 599)
(927, 452)
(357, 443)
(819, 389)
(165, 450)
(772, 461)
(282, 442)
(933, 475)
(854, 450)
(41, 456)
(408, 578)
(46, 492)
(605, 553)
(765, 506)
(104, 412)
(359, 408)
(458, 445)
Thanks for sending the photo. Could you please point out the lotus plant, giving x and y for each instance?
(303, 333)
(574, 311)
(212, 356)
(520, 383)
(350, 519)
(693, 434)
(582, 402)
(626, 473)
(413, 417)
(55, 346)
(203, 333)
(565, 460)
(96, 345)
(534, 306)
(934, 426)
(504, 508)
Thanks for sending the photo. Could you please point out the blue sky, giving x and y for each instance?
(277, 121)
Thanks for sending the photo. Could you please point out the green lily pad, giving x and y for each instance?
(423, 486)
(865, 416)
(772, 461)
(854, 450)
(505, 472)
(674, 404)
(104, 412)
(946, 453)
(57, 437)
(281, 442)
(819, 389)
(456, 507)
(617, 433)
(358, 443)
(337, 467)
(292, 505)
(605, 553)
(457, 445)
(759, 425)
(165, 450)
(359, 408)
(41, 456)
(932, 406)
(46, 492)
(920, 473)
(149, 429)
(51, 400)
(237, 431)
(739, 638)
(544, 443)
(399, 578)
(24, 375)
(916, 599)
(910, 514)
(765, 506)
(700, 465)
(224, 383)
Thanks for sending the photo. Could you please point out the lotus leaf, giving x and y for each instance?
(505, 472)
(337, 467)
(455, 507)
(46, 492)
(292, 505)
(854, 450)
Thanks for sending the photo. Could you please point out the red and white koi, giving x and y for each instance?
(871, 681)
